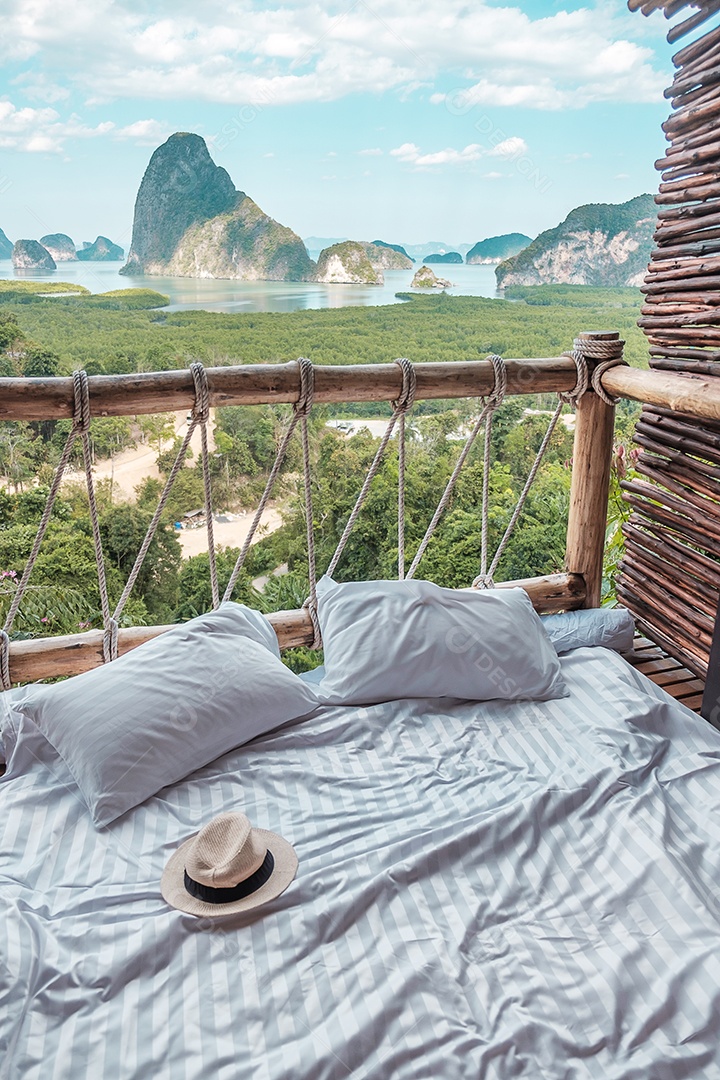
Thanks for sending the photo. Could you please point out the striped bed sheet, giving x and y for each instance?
(485, 890)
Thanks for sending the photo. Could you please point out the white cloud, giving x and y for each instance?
(38, 131)
(284, 51)
(144, 132)
(411, 154)
(372, 152)
(509, 148)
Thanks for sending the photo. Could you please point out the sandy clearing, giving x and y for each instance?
(133, 465)
(228, 533)
(128, 469)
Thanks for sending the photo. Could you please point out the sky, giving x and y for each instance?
(438, 120)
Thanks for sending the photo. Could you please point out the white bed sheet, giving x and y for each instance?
(490, 890)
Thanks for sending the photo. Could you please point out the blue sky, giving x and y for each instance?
(435, 120)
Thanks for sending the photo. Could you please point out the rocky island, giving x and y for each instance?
(101, 250)
(598, 244)
(384, 257)
(6, 247)
(495, 249)
(190, 221)
(60, 246)
(30, 255)
(426, 278)
(347, 264)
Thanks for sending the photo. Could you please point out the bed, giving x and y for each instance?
(486, 890)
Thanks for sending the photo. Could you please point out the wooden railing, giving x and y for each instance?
(578, 586)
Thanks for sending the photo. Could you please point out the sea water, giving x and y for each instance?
(209, 294)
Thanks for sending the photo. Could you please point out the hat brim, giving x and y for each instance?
(174, 892)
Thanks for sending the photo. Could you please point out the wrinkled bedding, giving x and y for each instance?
(486, 890)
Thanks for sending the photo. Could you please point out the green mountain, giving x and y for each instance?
(394, 247)
(6, 247)
(191, 222)
(29, 255)
(385, 257)
(497, 248)
(599, 244)
(445, 257)
(101, 250)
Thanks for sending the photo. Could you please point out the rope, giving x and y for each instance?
(583, 349)
(201, 414)
(401, 405)
(608, 353)
(112, 630)
(491, 404)
(582, 380)
(81, 416)
(5, 660)
(81, 423)
(597, 375)
(300, 409)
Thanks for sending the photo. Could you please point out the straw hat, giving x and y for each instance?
(228, 867)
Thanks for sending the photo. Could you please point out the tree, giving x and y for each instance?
(157, 429)
(40, 363)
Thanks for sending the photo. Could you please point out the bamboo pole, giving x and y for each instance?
(679, 524)
(649, 622)
(696, 395)
(683, 28)
(646, 568)
(592, 453)
(706, 571)
(697, 49)
(49, 658)
(256, 384)
(120, 395)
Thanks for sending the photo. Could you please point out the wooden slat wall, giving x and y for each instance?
(670, 576)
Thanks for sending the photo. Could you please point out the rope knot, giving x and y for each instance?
(81, 407)
(201, 408)
(597, 375)
(595, 349)
(304, 403)
(483, 581)
(582, 380)
(406, 400)
(495, 399)
(110, 641)
(310, 606)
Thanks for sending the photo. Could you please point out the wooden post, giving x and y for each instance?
(592, 455)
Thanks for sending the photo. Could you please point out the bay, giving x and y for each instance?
(210, 294)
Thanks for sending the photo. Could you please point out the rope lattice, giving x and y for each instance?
(200, 415)
(81, 429)
(81, 424)
(400, 408)
(492, 402)
(301, 410)
(606, 354)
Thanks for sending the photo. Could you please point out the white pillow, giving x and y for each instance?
(156, 714)
(385, 640)
(613, 628)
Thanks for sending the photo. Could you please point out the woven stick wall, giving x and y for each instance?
(670, 576)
